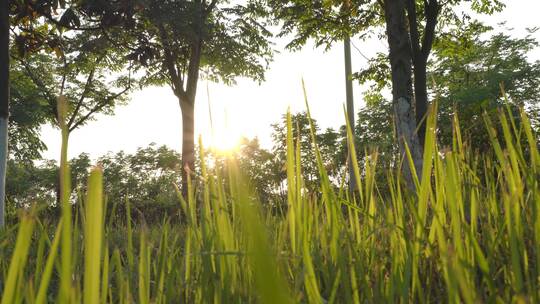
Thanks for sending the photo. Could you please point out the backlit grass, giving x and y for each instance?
(470, 233)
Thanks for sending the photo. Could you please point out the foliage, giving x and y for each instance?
(260, 168)
(411, 29)
(469, 66)
(28, 112)
(376, 135)
(175, 42)
(323, 21)
(328, 21)
(468, 72)
(27, 183)
(57, 50)
(144, 178)
(93, 81)
(302, 137)
(331, 145)
(165, 33)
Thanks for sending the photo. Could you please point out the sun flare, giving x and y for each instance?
(226, 142)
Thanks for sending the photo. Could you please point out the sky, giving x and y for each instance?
(249, 108)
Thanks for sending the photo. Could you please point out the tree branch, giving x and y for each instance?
(431, 9)
(210, 7)
(49, 96)
(176, 79)
(51, 19)
(115, 43)
(413, 28)
(89, 81)
(97, 108)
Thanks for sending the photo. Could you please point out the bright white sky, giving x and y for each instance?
(248, 109)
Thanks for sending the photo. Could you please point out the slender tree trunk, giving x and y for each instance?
(350, 96)
(402, 91)
(350, 106)
(188, 141)
(421, 97)
(4, 103)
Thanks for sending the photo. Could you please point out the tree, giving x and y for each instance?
(28, 112)
(302, 136)
(471, 74)
(410, 46)
(89, 76)
(38, 78)
(326, 22)
(331, 145)
(4, 102)
(418, 21)
(144, 178)
(350, 100)
(260, 168)
(31, 34)
(467, 68)
(177, 42)
(402, 90)
(30, 183)
(83, 72)
(423, 37)
(74, 31)
(335, 153)
(410, 29)
(376, 134)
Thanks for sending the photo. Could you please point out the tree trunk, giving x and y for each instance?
(188, 141)
(350, 107)
(4, 102)
(400, 62)
(421, 97)
(420, 55)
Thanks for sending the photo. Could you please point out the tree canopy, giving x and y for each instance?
(175, 42)
(469, 65)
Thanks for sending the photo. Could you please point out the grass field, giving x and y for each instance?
(469, 233)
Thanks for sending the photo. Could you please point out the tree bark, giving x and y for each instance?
(421, 97)
(187, 107)
(4, 102)
(420, 55)
(402, 90)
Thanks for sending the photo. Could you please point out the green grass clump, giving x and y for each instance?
(470, 232)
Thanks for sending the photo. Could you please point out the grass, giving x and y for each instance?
(469, 233)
